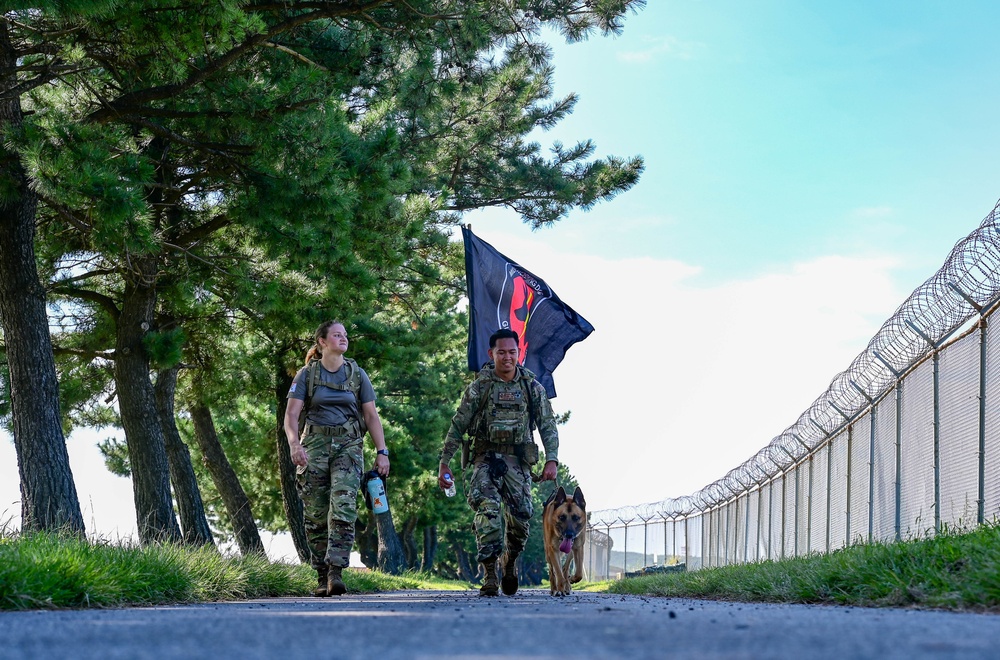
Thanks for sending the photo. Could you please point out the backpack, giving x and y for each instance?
(353, 383)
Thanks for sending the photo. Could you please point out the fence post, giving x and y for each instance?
(809, 509)
(706, 541)
(706, 535)
(687, 540)
(899, 458)
(850, 447)
(809, 505)
(871, 460)
(746, 531)
(784, 501)
(590, 549)
(981, 500)
(899, 441)
(677, 551)
(731, 523)
(645, 542)
(829, 479)
(607, 558)
(936, 359)
(850, 444)
(770, 520)
(625, 553)
(760, 514)
(798, 501)
(664, 540)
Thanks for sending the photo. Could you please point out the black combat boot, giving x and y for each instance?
(320, 591)
(490, 586)
(508, 564)
(335, 582)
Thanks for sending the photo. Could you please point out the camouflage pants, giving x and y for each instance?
(486, 494)
(329, 492)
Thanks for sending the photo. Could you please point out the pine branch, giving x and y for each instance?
(134, 103)
(104, 302)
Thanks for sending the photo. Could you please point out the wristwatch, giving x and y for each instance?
(384, 452)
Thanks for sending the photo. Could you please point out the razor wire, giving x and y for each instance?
(963, 289)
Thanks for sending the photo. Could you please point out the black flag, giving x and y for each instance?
(502, 294)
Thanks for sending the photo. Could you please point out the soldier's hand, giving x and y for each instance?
(299, 455)
(382, 464)
(550, 470)
(443, 470)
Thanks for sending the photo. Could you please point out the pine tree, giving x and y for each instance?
(303, 134)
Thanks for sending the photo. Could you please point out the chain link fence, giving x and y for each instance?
(904, 443)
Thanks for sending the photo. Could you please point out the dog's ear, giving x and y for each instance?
(559, 496)
(578, 498)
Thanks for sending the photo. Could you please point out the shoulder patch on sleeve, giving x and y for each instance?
(292, 390)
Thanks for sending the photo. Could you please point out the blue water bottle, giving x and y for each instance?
(376, 489)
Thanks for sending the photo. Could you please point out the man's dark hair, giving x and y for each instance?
(503, 333)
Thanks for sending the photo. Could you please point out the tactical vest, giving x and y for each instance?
(314, 379)
(505, 418)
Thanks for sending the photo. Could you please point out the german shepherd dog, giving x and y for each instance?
(564, 524)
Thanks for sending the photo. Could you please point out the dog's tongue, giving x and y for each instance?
(566, 546)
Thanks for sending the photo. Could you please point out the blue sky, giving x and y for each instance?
(807, 166)
(778, 130)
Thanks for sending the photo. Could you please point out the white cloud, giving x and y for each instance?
(654, 47)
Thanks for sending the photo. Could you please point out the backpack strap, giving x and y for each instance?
(479, 415)
(529, 379)
(352, 383)
(314, 378)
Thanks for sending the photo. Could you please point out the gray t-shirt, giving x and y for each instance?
(331, 407)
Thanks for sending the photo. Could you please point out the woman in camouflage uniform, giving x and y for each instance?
(341, 404)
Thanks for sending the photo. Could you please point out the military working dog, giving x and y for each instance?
(564, 525)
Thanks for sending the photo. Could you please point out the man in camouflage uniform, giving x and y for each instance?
(498, 411)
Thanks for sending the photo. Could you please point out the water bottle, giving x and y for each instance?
(450, 490)
(376, 489)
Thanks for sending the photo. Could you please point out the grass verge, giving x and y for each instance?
(49, 571)
(949, 571)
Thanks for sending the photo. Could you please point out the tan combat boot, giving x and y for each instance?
(320, 590)
(490, 586)
(508, 564)
(335, 582)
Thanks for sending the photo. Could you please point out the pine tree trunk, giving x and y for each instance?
(408, 537)
(430, 548)
(286, 470)
(366, 541)
(48, 494)
(390, 550)
(226, 482)
(466, 571)
(137, 404)
(190, 508)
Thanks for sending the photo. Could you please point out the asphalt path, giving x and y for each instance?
(451, 625)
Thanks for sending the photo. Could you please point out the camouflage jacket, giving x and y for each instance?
(505, 415)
